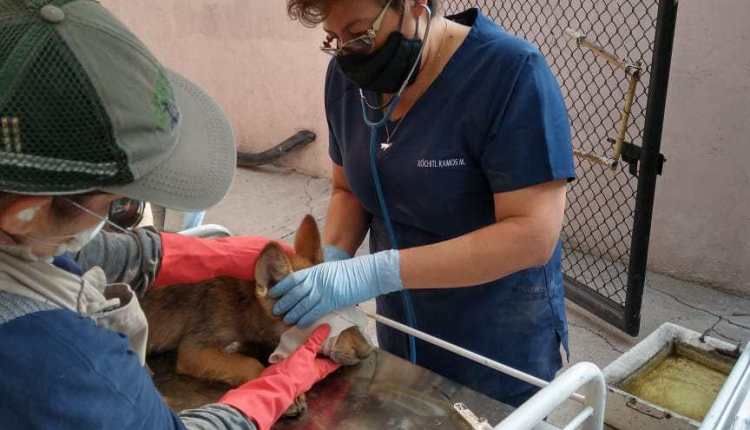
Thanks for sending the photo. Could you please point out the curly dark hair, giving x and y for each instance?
(312, 12)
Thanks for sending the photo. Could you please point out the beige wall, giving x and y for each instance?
(265, 70)
(701, 225)
(267, 73)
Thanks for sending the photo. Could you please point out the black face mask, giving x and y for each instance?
(385, 70)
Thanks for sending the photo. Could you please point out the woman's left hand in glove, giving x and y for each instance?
(307, 295)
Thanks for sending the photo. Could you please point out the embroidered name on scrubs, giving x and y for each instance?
(452, 162)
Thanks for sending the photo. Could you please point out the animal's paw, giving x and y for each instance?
(297, 408)
(345, 358)
(351, 347)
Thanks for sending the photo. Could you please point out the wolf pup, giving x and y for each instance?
(212, 323)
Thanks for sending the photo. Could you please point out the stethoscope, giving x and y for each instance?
(375, 129)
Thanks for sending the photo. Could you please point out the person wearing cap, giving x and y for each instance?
(88, 116)
(471, 143)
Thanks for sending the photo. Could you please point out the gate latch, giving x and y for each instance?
(631, 154)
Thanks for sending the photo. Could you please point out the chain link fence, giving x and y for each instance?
(598, 233)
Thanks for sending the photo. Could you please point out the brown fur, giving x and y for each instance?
(213, 326)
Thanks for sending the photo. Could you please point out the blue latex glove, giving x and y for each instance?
(308, 295)
(332, 253)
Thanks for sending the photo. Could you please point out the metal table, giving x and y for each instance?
(383, 392)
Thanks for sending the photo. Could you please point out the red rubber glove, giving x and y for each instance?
(189, 259)
(265, 399)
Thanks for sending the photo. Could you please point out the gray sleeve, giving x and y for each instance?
(215, 417)
(131, 258)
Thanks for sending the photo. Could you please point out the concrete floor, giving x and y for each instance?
(272, 201)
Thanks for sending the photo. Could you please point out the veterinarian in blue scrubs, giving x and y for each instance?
(473, 164)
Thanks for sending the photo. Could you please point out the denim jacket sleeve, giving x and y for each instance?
(132, 258)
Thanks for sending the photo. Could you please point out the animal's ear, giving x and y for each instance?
(307, 241)
(272, 266)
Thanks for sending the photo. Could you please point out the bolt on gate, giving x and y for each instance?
(612, 60)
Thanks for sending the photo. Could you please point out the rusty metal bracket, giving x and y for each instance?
(633, 72)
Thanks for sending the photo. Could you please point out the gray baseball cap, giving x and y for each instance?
(85, 106)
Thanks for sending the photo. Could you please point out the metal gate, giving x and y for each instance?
(612, 60)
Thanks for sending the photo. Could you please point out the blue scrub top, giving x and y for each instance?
(493, 121)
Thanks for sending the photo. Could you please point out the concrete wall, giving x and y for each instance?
(264, 69)
(701, 227)
(268, 74)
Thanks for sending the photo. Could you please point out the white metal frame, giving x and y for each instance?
(587, 378)
(731, 409)
(207, 231)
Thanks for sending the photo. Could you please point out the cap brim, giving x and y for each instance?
(199, 172)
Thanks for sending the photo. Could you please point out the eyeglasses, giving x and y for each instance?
(126, 213)
(360, 44)
(122, 214)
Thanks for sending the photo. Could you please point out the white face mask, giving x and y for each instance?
(78, 241)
